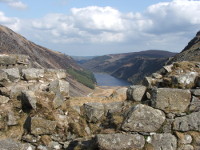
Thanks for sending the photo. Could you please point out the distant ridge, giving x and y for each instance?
(129, 66)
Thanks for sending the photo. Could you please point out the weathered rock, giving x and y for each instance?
(168, 68)
(157, 75)
(30, 138)
(186, 80)
(3, 78)
(32, 74)
(119, 141)
(142, 118)
(9, 144)
(120, 93)
(3, 99)
(13, 74)
(187, 123)
(60, 87)
(40, 126)
(53, 74)
(164, 141)
(196, 92)
(114, 107)
(195, 104)
(16, 90)
(136, 92)
(93, 111)
(195, 139)
(167, 127)
(41, 147)
(171, 100)
(149, 81)
(28, 100)
(58, 101)
(184, 138)
(12, 120)
(54, 145)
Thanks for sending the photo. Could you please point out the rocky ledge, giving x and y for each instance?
(36, 112)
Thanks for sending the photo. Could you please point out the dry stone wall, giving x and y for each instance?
(164, 113)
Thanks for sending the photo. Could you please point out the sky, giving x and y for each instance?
(99, 27)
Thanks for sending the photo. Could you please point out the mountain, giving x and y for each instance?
(129, 66)
(13, 43)
(191, 52)
(41, 57)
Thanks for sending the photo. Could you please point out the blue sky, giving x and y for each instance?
(97, 27)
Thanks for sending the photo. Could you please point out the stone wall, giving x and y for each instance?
(161, 114)
(10, 61)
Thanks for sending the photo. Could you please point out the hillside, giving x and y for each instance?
(191, 52)
(129, 66)
(40, 57)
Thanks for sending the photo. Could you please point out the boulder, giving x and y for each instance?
(3, 99)
(120, 93)
(136, 92)
(114, 107)
(195, 104)
(187, 80)
(40, 126)
(28, 100)
(142, 118)
(93, 111)
(32, 73)
(171, 100)
(60, 87)
(164, 141)
(119, 141)
(13, 74)
(187, 123)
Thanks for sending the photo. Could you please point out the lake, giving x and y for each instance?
(104, 79)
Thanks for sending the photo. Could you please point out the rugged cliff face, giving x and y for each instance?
(191, 52)
(129, 66)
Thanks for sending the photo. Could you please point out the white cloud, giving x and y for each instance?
(175, 16)
(15, 4)
(13, 23)
(160, 26)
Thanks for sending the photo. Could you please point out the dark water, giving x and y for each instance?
(108, 80)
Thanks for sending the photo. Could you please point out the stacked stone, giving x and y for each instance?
(162, 114)
(24, 93)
